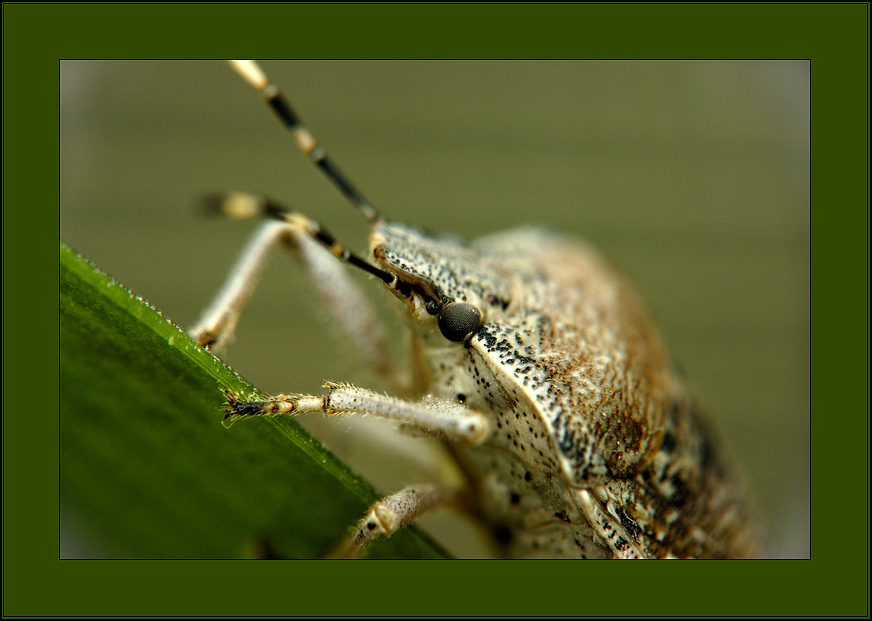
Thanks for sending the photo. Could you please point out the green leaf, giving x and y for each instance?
(148, 471)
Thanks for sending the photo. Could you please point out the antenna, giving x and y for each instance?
(254, 75)
(240, 205)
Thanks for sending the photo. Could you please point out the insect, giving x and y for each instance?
(531, 359)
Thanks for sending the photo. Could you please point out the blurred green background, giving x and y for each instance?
(692, 176)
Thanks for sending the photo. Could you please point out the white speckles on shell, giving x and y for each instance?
(422, 259)
(566, 385)
(579, 393)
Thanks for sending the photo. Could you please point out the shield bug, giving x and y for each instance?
(531, 359)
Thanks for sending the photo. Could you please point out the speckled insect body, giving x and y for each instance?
(536, 364)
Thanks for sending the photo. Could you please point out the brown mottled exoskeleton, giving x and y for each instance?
(533, 361)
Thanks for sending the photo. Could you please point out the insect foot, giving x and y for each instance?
(390, 514)
(534, 363)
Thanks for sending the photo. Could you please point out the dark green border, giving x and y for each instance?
(833, 36)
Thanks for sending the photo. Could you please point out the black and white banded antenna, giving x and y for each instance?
(254, 75)
(241, 205)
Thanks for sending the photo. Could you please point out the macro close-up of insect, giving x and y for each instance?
(535, 364)
(562, 422)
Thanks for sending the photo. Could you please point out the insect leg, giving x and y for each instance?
(317, 251)
(393, 512)
(607, 526)
(219, 320)
(437, 417)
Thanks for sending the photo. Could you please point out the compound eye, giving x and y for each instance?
(458, 320)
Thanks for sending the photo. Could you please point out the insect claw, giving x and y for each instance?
(206, 340)
(235, 408)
